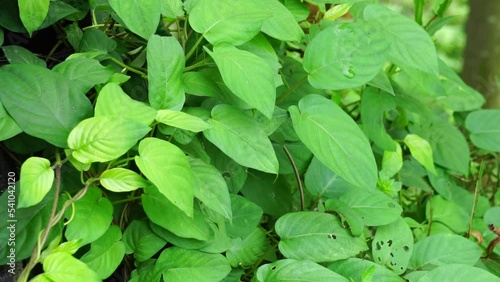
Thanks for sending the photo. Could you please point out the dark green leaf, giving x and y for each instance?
(353, 268)
(19, 55)
(84, 73)
(141, 240)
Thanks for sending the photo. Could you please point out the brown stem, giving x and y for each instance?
(297, 176)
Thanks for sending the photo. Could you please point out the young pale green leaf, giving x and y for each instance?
(91, 208)
(181, 120)
(246, 216)
(374, 104)
(296, 270)
(315, 236)
(113, 101)
(411, 46)
(443, 249)
(335, 139)
(421, 150)
(36, 180)
(84, 73)
(165, 73)
(210, 187)
(392, 162)
(337, 11)
(345, 56)
(8, 125)
(459, 273)
(374, 207)
(231, 21)
(42, 102)
(392, 245)
(106, 253)
(353, 268)
(19, 55)
(141, 240)
(484, 126)
(140, 16)
(241, 138)
(282, 24)
(168, 168)
(102, 139)
(192, 265)
(167, 215)
(33, 13)
(62, 267)
(247, 251)
(121, 180)
(248, 76)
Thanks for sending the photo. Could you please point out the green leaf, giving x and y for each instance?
(459, 96)
(33, 13)
(246, 216)
(421, 150)
(167, 215)
(449, 146)
(168, 168)
(322, 182)
(102, 139)
(171, 8)
(231, 21)
(210, 187)
(121, 180)
(374, 207)
(84, 73)
(19, 55)
(165, 73)
(458, 273)
(282, 25)
(241, 138)
(353, 268)
(411, 46)
(335, 139)
(106, 253)
(141, 240)
(337, 11)
(443, 249)
(247, 251)
(42, 102)
(484, 126)
(347, 214)
(141, 17)
(199, 84)
(492, 216)
(248, 76)
(381, 81)
(296, 270)
(192, 265)
(392, 245)
(8, 125)
(392, 162)
(114, 102)
(91, 208)
(36, 180)
(345, 56)
(318, 237)
(62, 267)
(447, 213)
(374, 104)
(96, 42)
(181, 120)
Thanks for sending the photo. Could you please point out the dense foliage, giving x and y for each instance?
(239, 140)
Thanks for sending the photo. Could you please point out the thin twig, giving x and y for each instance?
(297, 176)
(290, 91)
(478, 187)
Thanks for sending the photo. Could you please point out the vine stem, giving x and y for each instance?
(290, 90)
(142, 74)
(193, 49)
(297, 176)
(196, 65)
(478, 187)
